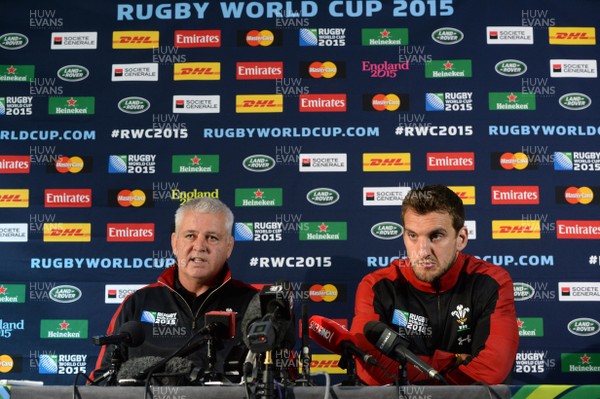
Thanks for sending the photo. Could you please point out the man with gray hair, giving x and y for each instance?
(172, 309)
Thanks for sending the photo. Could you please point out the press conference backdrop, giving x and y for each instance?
(311, 119)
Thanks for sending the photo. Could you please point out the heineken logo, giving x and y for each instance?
(387, 230)
(13, 41)
(447, 36)
(511, 68)
(73, 73)
(65, 294)
(575, 101)
(523, 291)
(583, 326)
(258, 163)
(323, 196)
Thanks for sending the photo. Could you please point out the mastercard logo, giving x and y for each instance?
(323, 293)
(6, 363)
(257, 38)
(518, 161)
(325, 69)
(69, 164)
(386, 102)
(135, 198)
(581, 195)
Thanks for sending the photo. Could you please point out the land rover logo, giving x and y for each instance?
(322, 196)
(447, 36)
(73, 73)
(511, 68)
(387, 230)
(134, 105)
(523, 291)
(65, 293)
(13, 41)
(575, 101)
(584, 327)
(258, 163)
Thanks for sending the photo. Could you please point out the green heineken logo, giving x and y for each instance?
(323, 231)
(12, 293)
(71, 105)
(384, 37)
(509, 101)
(17, 73)
(195, 164)
(63, 329)
(580, 362)
(258, 197)
(530, 326)
(448, 69)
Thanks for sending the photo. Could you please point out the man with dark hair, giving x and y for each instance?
(172, 309)
(455, 311)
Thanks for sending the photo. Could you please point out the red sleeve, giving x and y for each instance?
(364, 311)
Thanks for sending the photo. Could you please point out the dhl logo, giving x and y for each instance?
(259, 103)
(135, 39)
(67, 232)
(516, 229)
(386, 162)
(572, 36)
(197, 71)
(465, 193)
(14, 198)
(327, 363)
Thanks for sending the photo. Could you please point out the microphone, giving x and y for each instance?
(131, 334)
(335, 338)
(269, 322)
(390, 343)
(221, 326)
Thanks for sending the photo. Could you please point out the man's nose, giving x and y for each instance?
(422, 247)
(200, 244)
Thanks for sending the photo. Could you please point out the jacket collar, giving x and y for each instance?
(446, 282)
(169, 275)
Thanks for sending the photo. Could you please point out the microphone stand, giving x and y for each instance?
(115, 364)
(348, 363)
(268, 375)
(211, 348)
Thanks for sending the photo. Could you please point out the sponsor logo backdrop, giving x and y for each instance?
(311, 120)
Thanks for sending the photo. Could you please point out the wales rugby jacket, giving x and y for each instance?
(469, 310)
(168, 320)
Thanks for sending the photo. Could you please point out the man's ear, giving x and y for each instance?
(462, 238)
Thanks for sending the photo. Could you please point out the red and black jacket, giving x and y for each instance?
(168, 319)
(469, 310)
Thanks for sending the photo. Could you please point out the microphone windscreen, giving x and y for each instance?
(226, 319)
(253, 313)
(132, 367)
(373, 330)
(179, 365)
(134, 332)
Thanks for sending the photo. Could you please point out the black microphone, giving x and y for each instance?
(390, 343)
(131, 334)
(219, 329)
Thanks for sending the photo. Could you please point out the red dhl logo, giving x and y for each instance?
(136, 40)
(516, 229)
(12, 198)
(67, 233)
(259, 104)
(573, 36)
(386, 162)
(199, 71)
